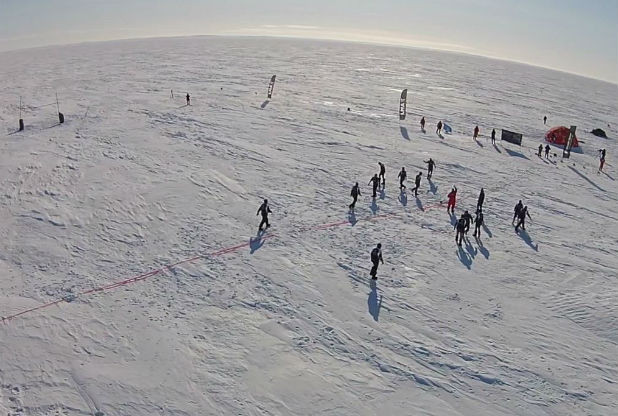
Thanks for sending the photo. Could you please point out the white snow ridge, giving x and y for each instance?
(133, 283)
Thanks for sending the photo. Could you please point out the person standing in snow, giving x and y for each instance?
(430, 165)
(382, 173)
(540, 150)
(417, 183)
(376, 258)
(481, 200)
(602, 160)
(355, 193)
(402, 177)
(544, 119)
(374, 182)
(547, 149)
(478, 222)
(452, 199)
(439, 128)
(468, 218)
(517, 209)
(423, 123)
(493, 136)
(460, 226)
(172, 94)
(188, 99)
(522, 219)
(476, 132)
(264, 210)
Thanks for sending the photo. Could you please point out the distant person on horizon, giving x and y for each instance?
(264, 210)
(402, 177)
(439, 128)
(547, 149)
(493, 136)
(517, 209)
(188, 99)
(382, 173)
(376, 258)
(417, 183)
(430, 166)
(355, 193)
(540, 150)
(476, 132)
(374, 182)
(452, 200)
(423, 123)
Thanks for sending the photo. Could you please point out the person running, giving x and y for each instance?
(439, 128)
(264, 210)
(402, 177)
(481, 200)
(374, 182)
(423, 123)
(602, 160)
(430, 166)
(478, 222)
(452, 200)
(540, 150)
(517, 209)
(544, 119)
(355, 193)
(466, 216)
(522, 219)
(188, 99)
(476, 132)
(382, 173)
(493, 136)
(376, 258)
(417, 183)
(460, 226)
(547, 149)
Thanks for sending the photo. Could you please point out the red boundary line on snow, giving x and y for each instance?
(220, 252)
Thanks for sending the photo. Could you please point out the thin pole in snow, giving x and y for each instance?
(20, 107)
(57, 103)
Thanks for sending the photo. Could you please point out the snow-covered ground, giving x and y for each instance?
(289, 324)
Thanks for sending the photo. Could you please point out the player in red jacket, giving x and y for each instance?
(452, 199)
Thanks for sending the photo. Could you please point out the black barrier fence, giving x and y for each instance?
(512, 137)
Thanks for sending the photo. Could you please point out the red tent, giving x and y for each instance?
(559, 136)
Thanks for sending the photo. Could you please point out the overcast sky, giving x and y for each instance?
(579, 36)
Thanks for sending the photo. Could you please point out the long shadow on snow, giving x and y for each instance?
(419, 204)
(352, 218)
(404, 132)
(586, 178)
(432, 187)
(264, 104)
(403, 198)
(464, 258)
(374, 207)
(487, 230)
(453, 219)
(382, 194)
(373, 304)
(609, 176)
(479, 143)
(497, 148)
(516, 154)
(524, 236)
(482, 248)
(255, 243)
(471, 250)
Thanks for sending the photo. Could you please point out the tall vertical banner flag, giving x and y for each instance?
(271, 86)
(403, 104)
(566, 153)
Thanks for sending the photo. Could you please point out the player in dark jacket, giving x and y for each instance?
(518, 208)
(522, 219)
(264, 210)
(402, 177)
(376, 258)
(374, 182)
(540, 150)
(493, 136)
(355, 193)
(468, 218)
(430, 166)
(461, 229)
(478, 222)
(382, 173)
(481, 200)
(417, 183)
(547, 149)
(423, 123)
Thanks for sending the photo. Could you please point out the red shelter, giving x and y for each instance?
(559, 136)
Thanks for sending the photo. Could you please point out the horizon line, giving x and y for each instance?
(325, 39)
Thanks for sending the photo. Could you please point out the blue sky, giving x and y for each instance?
(579, 36)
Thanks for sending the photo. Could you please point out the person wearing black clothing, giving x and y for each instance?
(522, 218)
(423, 123)
(547, 149)
(382, 173)
(402, 177)
(478, 222)
(439, 128)
(479, 203)
(375, 182)
(376, 258)
(188, 99)
(461, 228)
(493, 136)
(264, 210)
(430, 165)
(468, 220)
(540, 150)
(417, 183)
(517, 209)
(355, 193)
(544, 119)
